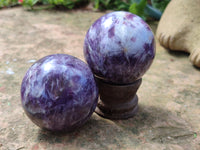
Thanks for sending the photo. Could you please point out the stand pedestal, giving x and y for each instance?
(117, 101)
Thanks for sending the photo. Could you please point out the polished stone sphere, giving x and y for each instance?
(119, 47)
(59, 92)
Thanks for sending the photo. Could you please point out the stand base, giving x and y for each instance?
(102, 111)
(117, 101)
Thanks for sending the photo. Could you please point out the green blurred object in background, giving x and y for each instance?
(8, 3)
(143, 8)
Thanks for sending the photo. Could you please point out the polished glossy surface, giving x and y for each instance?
(59, 92)
(119, 47)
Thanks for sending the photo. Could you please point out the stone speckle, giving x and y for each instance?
(111, 32)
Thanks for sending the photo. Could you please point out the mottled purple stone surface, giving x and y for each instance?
(119, 47)
(59, 92)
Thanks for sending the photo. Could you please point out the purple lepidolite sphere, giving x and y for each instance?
(119, 47)
(59, 92)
